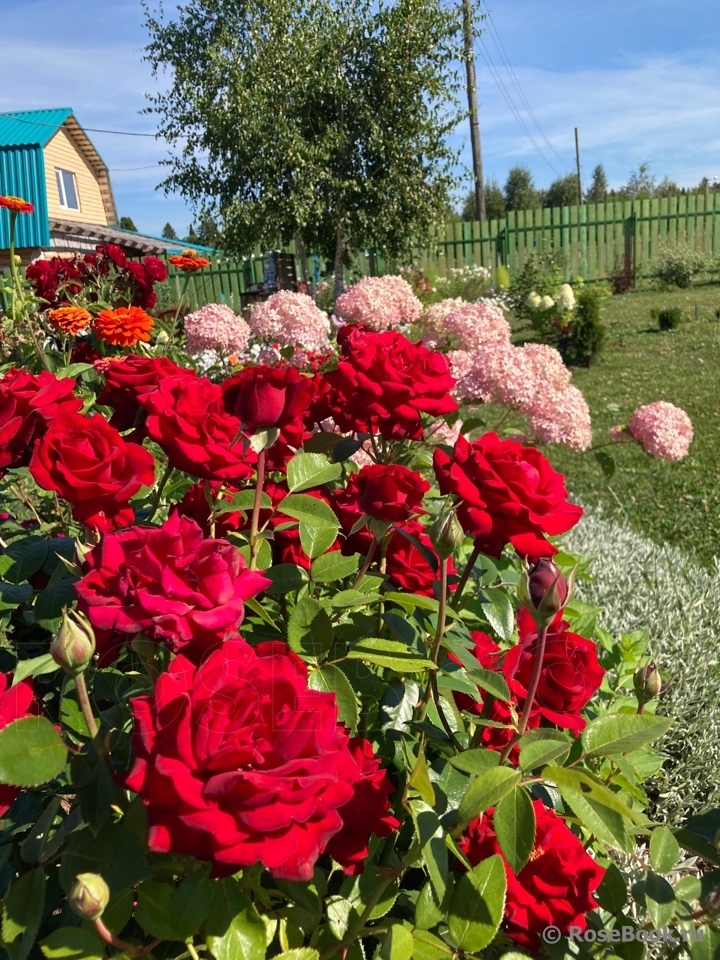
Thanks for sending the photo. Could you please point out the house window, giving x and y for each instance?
(67, 190)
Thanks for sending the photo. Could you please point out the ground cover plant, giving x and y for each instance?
(292, 662)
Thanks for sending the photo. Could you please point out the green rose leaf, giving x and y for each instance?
(331, 679)
(541, 747)
(286, 578)
(310, 631)
(31, 752)
(233, 930)
(389, 653)
(115, 853)
(620, 733)
(73, 943)
(429, 947)
(475, 761)
(498, 612)
(431, 835)
(664, 850)
(28, 556)
(311, 510)
(333, 566)
(154, 908)
(514, 825)
(22, 912)
(307, 470)
(397, 944)
(487, 789)
(477, 905)
(314, 539)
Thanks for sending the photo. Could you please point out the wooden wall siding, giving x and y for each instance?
(62, 153)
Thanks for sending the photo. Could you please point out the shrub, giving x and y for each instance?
(587, 334)
(676, 266)
(542, 274)
(669, 318)
(621, 276)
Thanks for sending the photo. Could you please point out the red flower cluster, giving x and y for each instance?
(169, 584)
(16, 702)
(265, 398)
(384, 383)
(129, 378)
(390, 492)
(90, 465)
(239, 762)
(555, 887)
(506, 493)
(28, 404)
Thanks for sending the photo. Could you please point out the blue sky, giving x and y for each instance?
(639, 78)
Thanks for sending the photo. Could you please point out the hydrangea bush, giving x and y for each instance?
(260, 702)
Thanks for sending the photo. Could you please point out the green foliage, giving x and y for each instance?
(588, 333)
(337, 145)
(168, 232)
(562, 192)
(668, 318)
(495, 207)
(677, 266)
(597, 191)
(127, 223)
(520, 192)
(541, 274)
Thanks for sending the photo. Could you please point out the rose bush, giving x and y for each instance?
(262, 701)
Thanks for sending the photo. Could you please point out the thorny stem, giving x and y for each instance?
(85, 706)
(159, 491)
(366, 564)
(532, 690)
(26, 500)
(464, 578)
(431, 689)
(128, 948)
(255, 521)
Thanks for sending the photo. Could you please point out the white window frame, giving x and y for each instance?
(61, 189)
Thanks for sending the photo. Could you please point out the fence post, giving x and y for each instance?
(629, 244)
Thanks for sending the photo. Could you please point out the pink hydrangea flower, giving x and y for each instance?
(291, 318)
(547, 365)
(663, 429)
(379, 302)
(216, 327)
(562, 416)
(476, 325)
(434, 316)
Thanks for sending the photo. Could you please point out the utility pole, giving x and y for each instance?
(473, 110)
(577, 159)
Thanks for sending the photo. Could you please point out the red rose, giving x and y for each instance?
(238, 762)
(345, 505)
(383, 383)
(571, 672)
(391, 492)
(408, 567)
(263, 397)
(555, 887)
(129, 378)
(170, 584)
(28, 404)
(187, 419)
(15, 703)
(507, 493)
(54, 280)
(90, 465)
(113, 252)
(155, 268)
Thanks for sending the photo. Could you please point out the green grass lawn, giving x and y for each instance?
(679, 503)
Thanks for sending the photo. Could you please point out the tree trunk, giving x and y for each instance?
(303, 258)
(338, 272)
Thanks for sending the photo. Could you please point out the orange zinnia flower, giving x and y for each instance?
(123, 326)
(69, 319)
(16, 204)
(189, 261)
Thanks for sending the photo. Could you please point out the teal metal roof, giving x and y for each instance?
(23, 128)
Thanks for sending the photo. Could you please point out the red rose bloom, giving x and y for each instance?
(129, 378)
(90, 465)
(113, 252)
(554, 888)
(187, 419)
(168, 583)
(408, 567)
(28, 404)
(383, 383)
(156, 269)
(238, 762)
(263, 397)
(571, 673)
(15, 703)
(47, 276)
(507, 493)
(391, 492)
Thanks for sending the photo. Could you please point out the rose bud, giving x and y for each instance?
(544, 591)
(73, 646)
(89, 896)
(647, 683)
(446, 534)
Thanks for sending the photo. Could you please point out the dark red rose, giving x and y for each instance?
(129, 378)
(238, 762)
(90, 465)
(345, 505)
(84, 351)
(408, 567)
(169, 584)
(187, 419)
(555, 887)
(155, 268)
(263, 397)
(383, 383)
(571, 673)
(507, 493)
(55, 280)
(28, 404)
(547, 589)
(15, 703)
(390, 492)
(113, 252)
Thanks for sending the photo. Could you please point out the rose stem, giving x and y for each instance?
(128, 948)
(366, 563)
(159, 491)
(431, 688)
(171, 334)
(464, 578)
(532, 690)
(255, 521)
(84, 701)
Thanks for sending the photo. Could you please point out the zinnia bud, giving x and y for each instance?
(446, 534)
(647, 683)
(73, 646)
(544, 591)
(89, 896)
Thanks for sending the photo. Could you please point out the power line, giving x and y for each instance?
(500, 47)
(508, 99)
(118, 133)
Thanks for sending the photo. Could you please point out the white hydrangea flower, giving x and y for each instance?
(533, 301)
(546, 303)
(566, 298)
